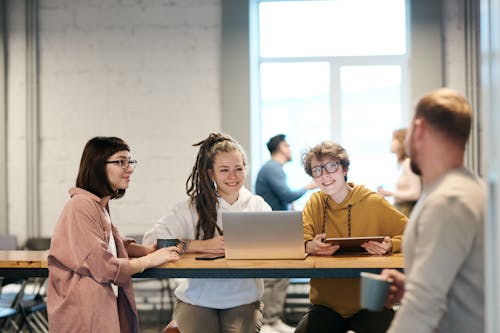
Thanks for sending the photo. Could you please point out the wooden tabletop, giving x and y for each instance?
(34, 263)
(23, 259)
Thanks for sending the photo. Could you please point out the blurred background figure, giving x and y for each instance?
(408, 184)
(271, 181)
(271, 185)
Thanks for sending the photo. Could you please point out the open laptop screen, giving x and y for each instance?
(263, 235)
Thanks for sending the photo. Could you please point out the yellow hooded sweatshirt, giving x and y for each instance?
(363, 213)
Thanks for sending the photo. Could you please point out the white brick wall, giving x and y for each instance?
(146, 71)
(16, 119)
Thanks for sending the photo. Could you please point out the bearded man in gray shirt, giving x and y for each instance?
(443, 286)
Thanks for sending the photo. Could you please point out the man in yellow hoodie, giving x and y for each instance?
(343, 209)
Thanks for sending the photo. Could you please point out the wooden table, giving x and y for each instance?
(34, 263)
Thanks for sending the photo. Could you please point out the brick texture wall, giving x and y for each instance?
(146, 71)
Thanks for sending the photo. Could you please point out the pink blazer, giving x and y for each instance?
(79, 296)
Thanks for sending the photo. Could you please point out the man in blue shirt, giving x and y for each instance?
(272, 186)
(271, 179)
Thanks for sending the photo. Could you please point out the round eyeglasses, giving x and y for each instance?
(330, 167)
(124, 164)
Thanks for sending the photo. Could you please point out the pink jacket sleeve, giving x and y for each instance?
(81, 242)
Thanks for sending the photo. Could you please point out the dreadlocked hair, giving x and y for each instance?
(200, 187)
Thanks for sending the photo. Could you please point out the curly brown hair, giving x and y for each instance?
(326, 149)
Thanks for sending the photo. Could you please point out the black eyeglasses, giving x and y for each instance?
(330, 167)
(124, 164)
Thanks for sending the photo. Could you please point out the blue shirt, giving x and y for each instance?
(271, 185)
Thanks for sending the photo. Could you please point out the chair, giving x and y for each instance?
(33, 307)
(27, 298)
(37, 244)
(7, 316)
(30, 302)
(8, 242)
(297, 300)
(7, 312)
(136, 237)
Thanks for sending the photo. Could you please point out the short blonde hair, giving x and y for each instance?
(448, 112)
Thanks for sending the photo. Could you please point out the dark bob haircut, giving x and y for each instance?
(92, 174)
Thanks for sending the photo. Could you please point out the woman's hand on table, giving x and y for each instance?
(135, 250)
(373, 247)
(215, 245)
(318, 248)
(162, 256)
(154, 259)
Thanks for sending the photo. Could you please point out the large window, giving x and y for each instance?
(331, 70)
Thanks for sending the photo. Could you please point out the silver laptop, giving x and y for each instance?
(263, 235)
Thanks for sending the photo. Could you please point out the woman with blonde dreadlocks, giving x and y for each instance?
(344, 209)
(215, 185)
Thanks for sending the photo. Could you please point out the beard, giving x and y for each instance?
(415, 168)
(410, 150)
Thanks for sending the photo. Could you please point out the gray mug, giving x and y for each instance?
(374, 290)
(166, 242)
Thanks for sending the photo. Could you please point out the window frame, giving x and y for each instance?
(336, 63)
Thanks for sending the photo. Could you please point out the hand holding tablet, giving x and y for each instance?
(352, 244)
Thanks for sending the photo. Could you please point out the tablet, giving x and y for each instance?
(352, 244)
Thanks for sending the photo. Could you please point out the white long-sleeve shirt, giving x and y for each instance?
(210, 293)
(444, 259)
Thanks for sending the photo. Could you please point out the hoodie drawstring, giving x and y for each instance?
(349, 220)
(348, 217)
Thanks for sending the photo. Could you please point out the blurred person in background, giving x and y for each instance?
(408, 184)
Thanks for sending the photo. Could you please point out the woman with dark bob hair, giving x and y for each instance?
(344, 209)
(90, 285)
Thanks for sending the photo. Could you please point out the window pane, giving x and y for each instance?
(332, 28)
(295, 102)
(370, 111)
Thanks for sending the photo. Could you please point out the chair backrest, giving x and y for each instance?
(8, 242)
(136, 237)
(37, 244)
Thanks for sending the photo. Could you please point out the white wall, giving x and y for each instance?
(490, 99)
(150, 72)
(146, 71)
